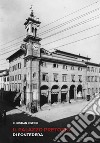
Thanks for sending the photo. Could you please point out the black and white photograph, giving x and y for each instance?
(49, 71)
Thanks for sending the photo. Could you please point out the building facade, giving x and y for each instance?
(4, 80)
(49, 77)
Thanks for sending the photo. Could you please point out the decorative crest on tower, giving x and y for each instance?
(32, 13)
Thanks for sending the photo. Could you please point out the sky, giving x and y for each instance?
(69, 25)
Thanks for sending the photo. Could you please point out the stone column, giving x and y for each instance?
(83, 93)
(59, 96)
(69, 95)
(75, 93)
(49, 97)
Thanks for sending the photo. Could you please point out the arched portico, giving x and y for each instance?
(54, 93)
(44, 95)
(64, 93)
(72, 92)
(79, 91)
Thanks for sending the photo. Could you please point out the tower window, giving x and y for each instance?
(32, 29)
(35, 32)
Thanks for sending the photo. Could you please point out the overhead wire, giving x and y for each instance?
(23, 35)
(69, 21)
(76, 41)
(71, 13)
(56, 20)
(72, 34)
(68, 28)
(76, 25)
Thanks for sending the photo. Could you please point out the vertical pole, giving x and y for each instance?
(59, 96)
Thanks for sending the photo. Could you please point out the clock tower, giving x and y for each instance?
(32, 57)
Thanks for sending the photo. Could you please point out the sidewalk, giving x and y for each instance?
(58, 111)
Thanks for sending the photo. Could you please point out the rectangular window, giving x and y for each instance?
(73, 78)
(19, 65)
(12, 68)
(80, 78)
(7, 78)
(55, 65)
(4, 79)
(15, 77)
(92, 69)
(95, 78)
(92, 78)
(64, 66)
(96, 90)
(43, 64)
(64, 77)
(19, 77)
(12, 78)
(45, 77)
(55, 77)
(72, 67)
(88, 68)
(34, 86)
(79, 68)
(88, 90)
(24, 62)
(24, 77)
(88, 78)
(16, 66)
(95, 69)
(15, 86)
